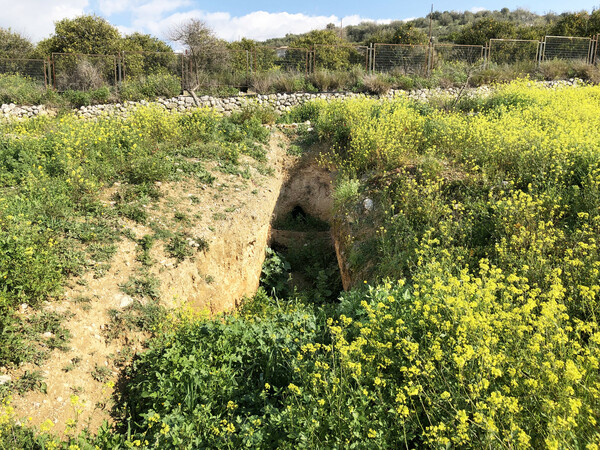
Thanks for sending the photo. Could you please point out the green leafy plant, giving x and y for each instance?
(275, 273)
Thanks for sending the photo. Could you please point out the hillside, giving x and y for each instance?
(462, 225)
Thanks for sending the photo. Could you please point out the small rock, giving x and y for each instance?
(48, 334)
(24, 307)
(5, 379)
(368, 204)
(123, 300)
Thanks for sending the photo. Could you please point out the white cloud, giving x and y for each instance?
(110, 7)
(259, 25)
(476, 9)
(125, 30)
(156, 9)
(35, 18)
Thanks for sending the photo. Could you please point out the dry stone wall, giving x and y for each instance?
(279, 102)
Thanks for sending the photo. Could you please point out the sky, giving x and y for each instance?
(234, 19)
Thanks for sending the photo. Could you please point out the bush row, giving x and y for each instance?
(21, 90)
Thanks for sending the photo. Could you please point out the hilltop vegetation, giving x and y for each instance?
(461, 28)
(94, 35)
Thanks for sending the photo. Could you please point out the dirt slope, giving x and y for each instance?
(232, 215)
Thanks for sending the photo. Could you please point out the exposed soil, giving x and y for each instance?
(305, 201)
(233, 216)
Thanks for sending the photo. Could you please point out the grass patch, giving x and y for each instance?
(146, 317)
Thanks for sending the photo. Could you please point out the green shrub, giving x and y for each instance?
(275, 273)
(288, 82)
(22, 90)
(327, 80)
(78, 99)
(450, 74)
(148, 168)
(219, 382)
(150, 87)
(303, 112)
(265, 114)
(405, 82)
(377, 84)
(100, 95)
(556, 69)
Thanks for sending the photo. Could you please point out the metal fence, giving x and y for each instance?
(284, 59)
(567, 48)
(35, 69)
(340, 57)
(232, 68)
(133, 65)
(469, 54)
(83, 72)
(511, 51)
(402, 58)
(238, 68)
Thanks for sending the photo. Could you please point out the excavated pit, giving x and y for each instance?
(301, 231)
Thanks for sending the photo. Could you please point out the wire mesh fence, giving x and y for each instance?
(232, 68)
(135, 65)
(567, 48)
(83, 72)
(406, 59)
(35, 69)
(285, 59)
(237, 68)
(340, 57)
(511, 51)
(469, 54)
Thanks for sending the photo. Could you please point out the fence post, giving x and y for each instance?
(247, 70)
(591, 51)
(374, 56)
(486, 55)
(120, 70)
(47, 72)
(429, 59)
(53, 72)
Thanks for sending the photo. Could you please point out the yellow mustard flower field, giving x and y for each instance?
(472, 320)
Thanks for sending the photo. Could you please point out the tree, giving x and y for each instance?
(146, 55)
(317, 37)
(363, 33)
(407, 33)
(572, 24)
(594, 22)
(331, 51)
(240, 55)
(88, 34)
(139, 42)
(13, 45)
(207, 53)
(482, 30)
